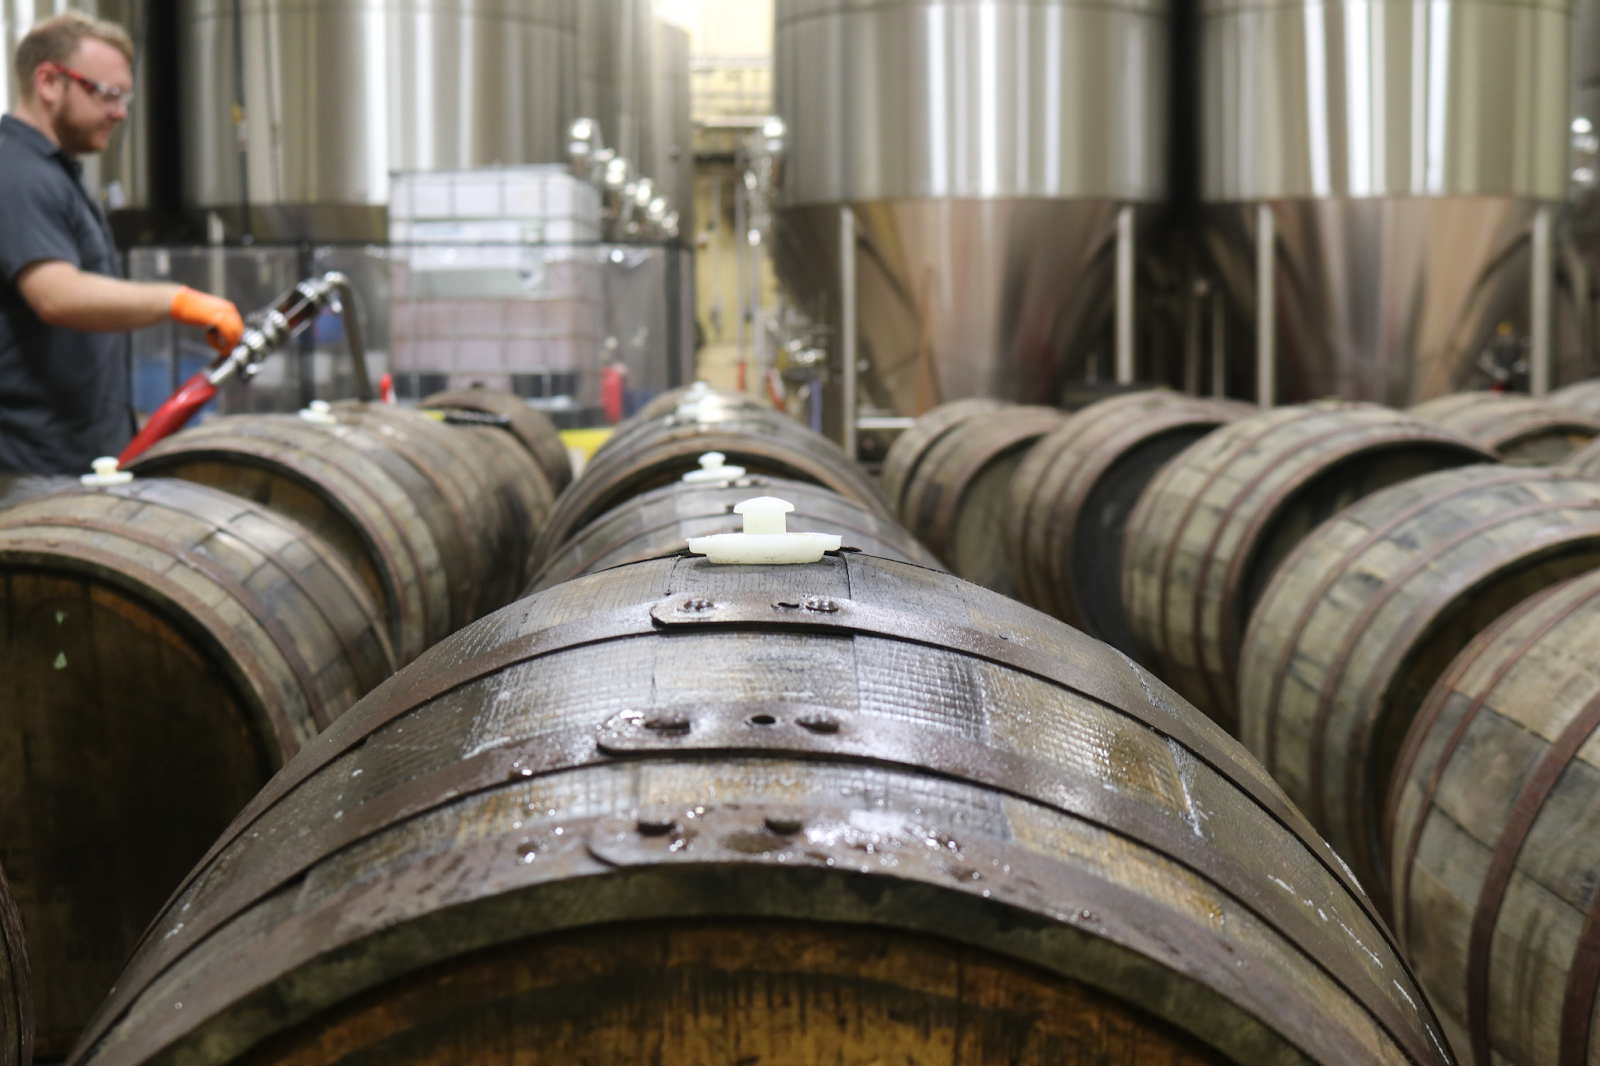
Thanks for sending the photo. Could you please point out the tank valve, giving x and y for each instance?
(106, 473)
(765, 539)
(318, 411)
(713, 471)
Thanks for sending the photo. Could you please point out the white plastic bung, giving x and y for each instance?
(318, 411)
(765, 539)
(712, 470)
(106, 473)
(690, 400)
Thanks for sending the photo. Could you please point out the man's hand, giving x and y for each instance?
(218, 317)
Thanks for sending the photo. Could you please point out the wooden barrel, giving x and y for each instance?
(532, 428)
(1585, 460)
(906, 453)
(1072, 495)
(500, 499)
(1211, 527)
(1583, 396)
(659, 452)
(14, 488)
(1493, 826)
(692, 813)
(956, 502)
(698, 394)
(1361, 620)
(16, 988)
(440, 521)
(658, 522)
(166, 647)
(1519, 429)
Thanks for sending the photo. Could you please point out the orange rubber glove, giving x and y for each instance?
(218, 317)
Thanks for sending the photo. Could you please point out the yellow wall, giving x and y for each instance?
(732, 39)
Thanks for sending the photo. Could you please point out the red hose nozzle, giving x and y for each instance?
(170, 416)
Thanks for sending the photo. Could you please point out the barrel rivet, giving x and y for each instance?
(698, 604)
(819, 724)
(821, 604)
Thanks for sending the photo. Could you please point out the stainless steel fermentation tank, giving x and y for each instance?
(1586, 155)
(985, 151)
(339, 93)
(1386, 173)
(672, 123)
(617, 64)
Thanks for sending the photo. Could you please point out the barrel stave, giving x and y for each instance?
(659, 522)
(167, 646)
(1212, 527)
(1471, 762)
(16, 985)
(905, 455)
(454, 874)
(660, 452)
(785, 987)
(532, 429)
(1362, 620)
(1089, 472)
(956, 502)
(492, 500)
(344, 488)
(1583, 396)
(1521, 430)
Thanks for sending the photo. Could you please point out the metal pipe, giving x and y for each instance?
(847, 323)
(1219, 343)
(1125, 250)
(1539, 299)
(240, 130)
(1194, 314)
(1266, 318)
(741, 246)
(343, 304)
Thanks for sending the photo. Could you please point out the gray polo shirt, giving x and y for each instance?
(64, 394)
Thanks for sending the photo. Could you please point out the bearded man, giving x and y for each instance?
(65, 310)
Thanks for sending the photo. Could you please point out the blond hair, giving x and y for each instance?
(55, 40)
